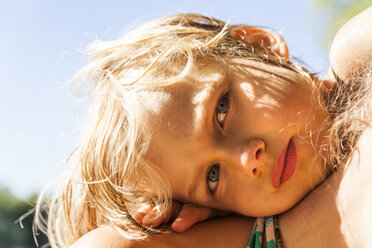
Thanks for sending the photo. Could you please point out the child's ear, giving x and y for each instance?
(262, 38)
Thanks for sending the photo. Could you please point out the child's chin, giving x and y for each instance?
(272, 209)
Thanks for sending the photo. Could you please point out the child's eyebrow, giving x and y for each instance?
(205, 99)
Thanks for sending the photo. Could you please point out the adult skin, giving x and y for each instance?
(335, 214)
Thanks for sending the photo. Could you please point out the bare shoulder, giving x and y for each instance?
(108, 237)
(352, 46)
(355, 195)
(232, 231)
(103, 237)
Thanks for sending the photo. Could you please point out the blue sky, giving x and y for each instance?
(40, 49)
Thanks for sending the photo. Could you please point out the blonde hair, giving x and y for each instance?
(109, 176)
(349, 106)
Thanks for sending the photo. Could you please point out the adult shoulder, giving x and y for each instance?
(355, 195)
(103, 237)
(351, 48)
(230, 231)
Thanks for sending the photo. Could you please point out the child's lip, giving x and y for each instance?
(285, 165)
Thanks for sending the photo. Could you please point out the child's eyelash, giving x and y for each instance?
(213, 176)
(222, 109)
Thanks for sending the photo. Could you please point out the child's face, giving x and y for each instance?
(252, 154)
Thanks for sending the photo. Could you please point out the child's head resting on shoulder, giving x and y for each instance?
(181, 106)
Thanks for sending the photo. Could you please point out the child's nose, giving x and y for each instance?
(251, 157)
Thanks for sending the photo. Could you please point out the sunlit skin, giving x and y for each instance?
(267, 107)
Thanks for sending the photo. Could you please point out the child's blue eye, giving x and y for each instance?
(213, 176)
(221, 110)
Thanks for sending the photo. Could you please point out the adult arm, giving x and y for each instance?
(219, 232)
(354, 202)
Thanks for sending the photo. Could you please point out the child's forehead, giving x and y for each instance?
(207, 78)
(203, 79)
(193, 92)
